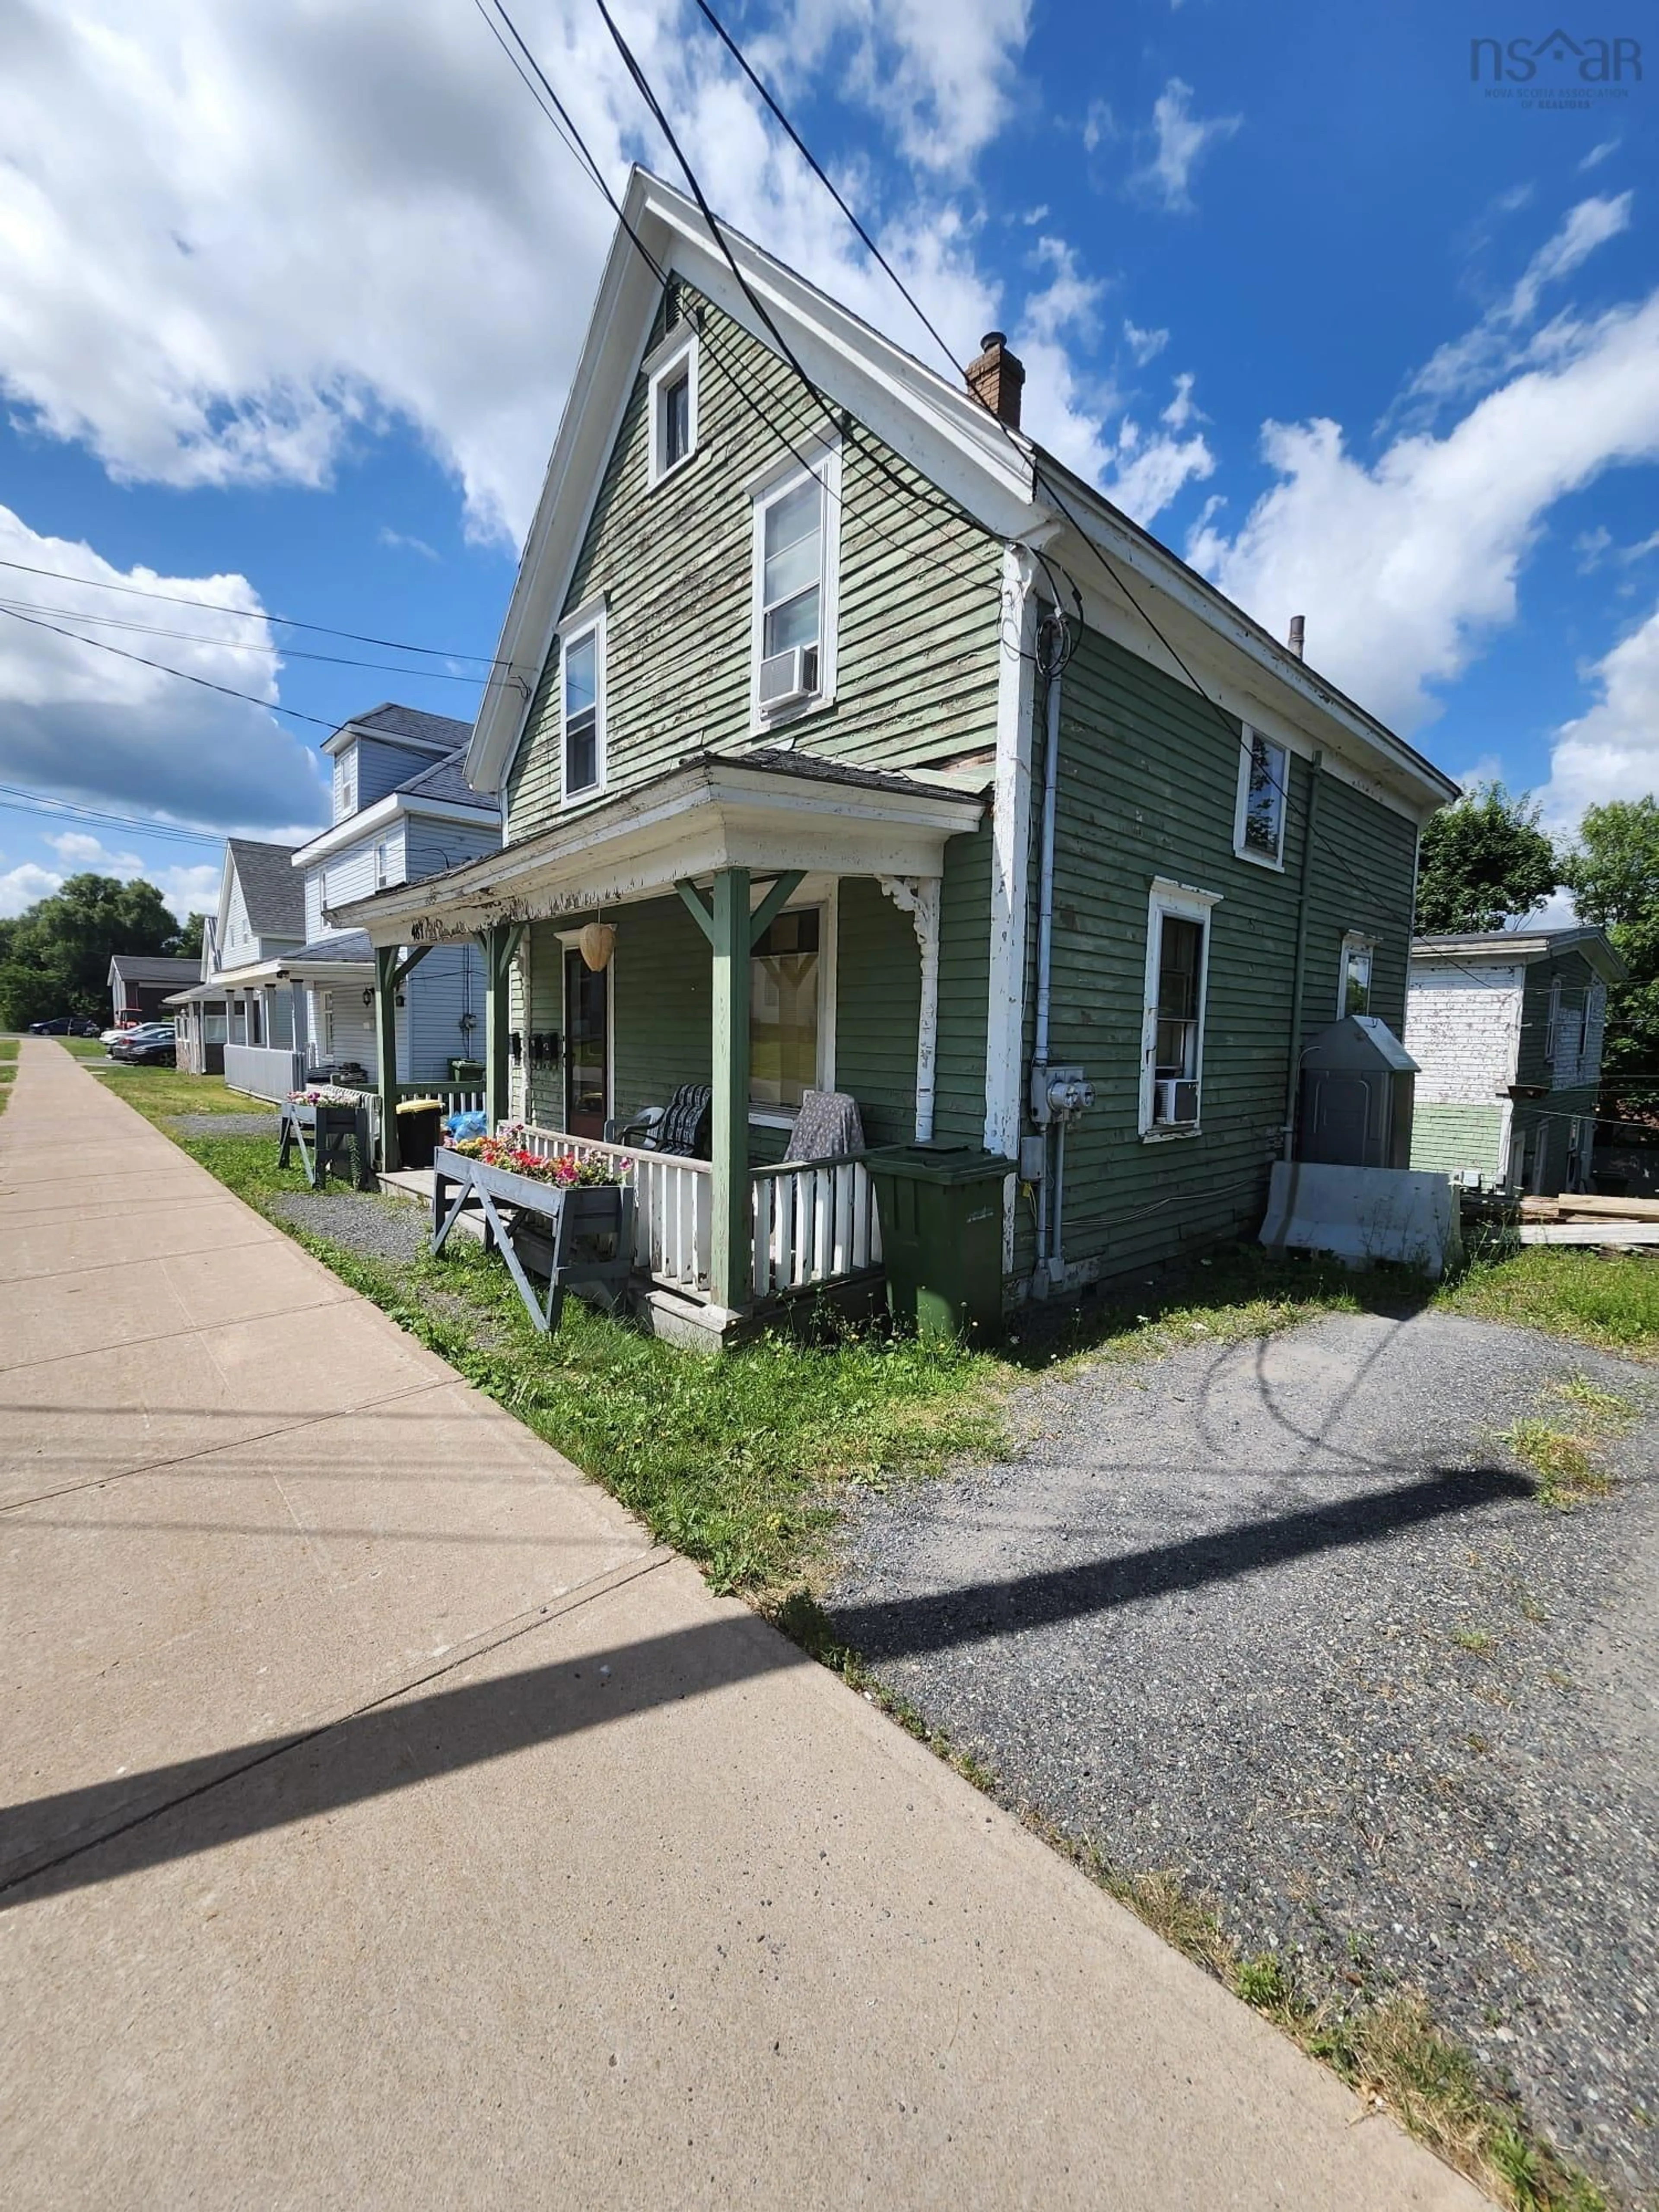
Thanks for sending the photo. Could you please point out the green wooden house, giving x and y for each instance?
(891, 759)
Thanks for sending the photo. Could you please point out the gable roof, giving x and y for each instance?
(998, 474)
(151, 968)
(399, 725)
(274, 896)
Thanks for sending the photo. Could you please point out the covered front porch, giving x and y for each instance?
(741, 933)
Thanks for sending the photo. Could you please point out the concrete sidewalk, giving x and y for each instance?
(388, 1822)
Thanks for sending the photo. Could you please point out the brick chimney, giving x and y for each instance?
(997, 377)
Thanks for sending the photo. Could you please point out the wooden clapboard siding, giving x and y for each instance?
(662, 1004)
(1148, 779)
(965, 984)
(919, 605)
(878, 1009)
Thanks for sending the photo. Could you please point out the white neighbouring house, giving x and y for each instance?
(402, 810)
(236, 1021)
(1506, 1028)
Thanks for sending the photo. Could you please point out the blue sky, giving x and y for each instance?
(289, 298)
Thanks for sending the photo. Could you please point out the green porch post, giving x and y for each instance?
(500, 942)
(731, 1258)
(385, 1051)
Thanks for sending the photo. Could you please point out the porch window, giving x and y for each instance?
(1263, 779)
(256, 1019)
(672, 390)
(783, 1010)
(795, 555)
(581, 694)
(1172, 1048)
(1354, 993)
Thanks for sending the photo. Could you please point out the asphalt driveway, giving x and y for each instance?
(1286, 1618)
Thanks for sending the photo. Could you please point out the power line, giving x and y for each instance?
(233, 644)
(161, 667)
(16, 799)
(254, 614)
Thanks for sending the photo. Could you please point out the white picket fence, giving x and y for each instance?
(814, 1221)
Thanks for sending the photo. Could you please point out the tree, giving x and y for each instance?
(1614, 877)
(1485, 861)
(56, 957)
(187, 945)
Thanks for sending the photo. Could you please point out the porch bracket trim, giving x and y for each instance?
(774, 903)
(697, 907)
(919, 898)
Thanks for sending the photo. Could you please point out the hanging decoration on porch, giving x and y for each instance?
(597, 943)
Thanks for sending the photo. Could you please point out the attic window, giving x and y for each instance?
(672, 400)
(1263, 780)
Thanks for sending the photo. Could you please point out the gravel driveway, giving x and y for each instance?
(1283, 1617)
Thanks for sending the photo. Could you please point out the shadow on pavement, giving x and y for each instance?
(80, 1837)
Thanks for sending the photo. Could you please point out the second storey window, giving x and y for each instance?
(1172, 1043)
(795, 560)
(1263, 780)
(382, 865)
(582, 703)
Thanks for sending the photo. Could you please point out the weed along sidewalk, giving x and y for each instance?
(390, 1819)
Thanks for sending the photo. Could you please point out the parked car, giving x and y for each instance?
(121, 1028)
(64, 1025)
(151, 1044)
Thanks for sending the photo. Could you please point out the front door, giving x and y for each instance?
(586, 1047)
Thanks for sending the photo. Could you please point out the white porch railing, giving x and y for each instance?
(815, 1222)
(263, 1071)
(672, 1206)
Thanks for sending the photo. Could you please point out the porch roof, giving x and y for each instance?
(345, 956)
(200, 995)
(765, 810)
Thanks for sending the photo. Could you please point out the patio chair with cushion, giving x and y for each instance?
(683, 1127)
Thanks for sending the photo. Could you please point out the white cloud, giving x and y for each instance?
(1183, 139)
(398, 541)
(1597, 154)
(1099, 126)
(83, 724)
(235, 241)
(1147, 473)
(1494, 348)
(1069, 302)
(1612, 751)
(1403, 567)
(21, 886)
(1181, 410)
(1144, 345)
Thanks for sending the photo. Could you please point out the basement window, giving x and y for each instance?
(1263, 782)
(1172, 1043)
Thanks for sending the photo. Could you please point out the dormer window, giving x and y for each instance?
(671, 394)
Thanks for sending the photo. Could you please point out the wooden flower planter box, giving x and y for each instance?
(578, 1239)
(330, 1138)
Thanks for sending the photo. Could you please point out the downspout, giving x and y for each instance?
(1047, 1260)
(1299, 968)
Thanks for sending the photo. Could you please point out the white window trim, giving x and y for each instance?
(571, 631)
(1355, 940)
(679, 349)
(1243, 851)
(825, 896)
(825, 465)
(1185, 902)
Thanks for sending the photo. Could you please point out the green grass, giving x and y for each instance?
(1569, 1292)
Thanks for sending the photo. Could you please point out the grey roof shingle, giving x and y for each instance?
(340, 944)
(153, 968)
(273, 891)
(389, 720)
(445, 780)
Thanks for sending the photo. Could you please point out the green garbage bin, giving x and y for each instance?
(940, 1207)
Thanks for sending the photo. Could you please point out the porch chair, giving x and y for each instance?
(684, 1127)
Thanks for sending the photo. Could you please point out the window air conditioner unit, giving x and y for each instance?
(788, 677)
(1174, 1099)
